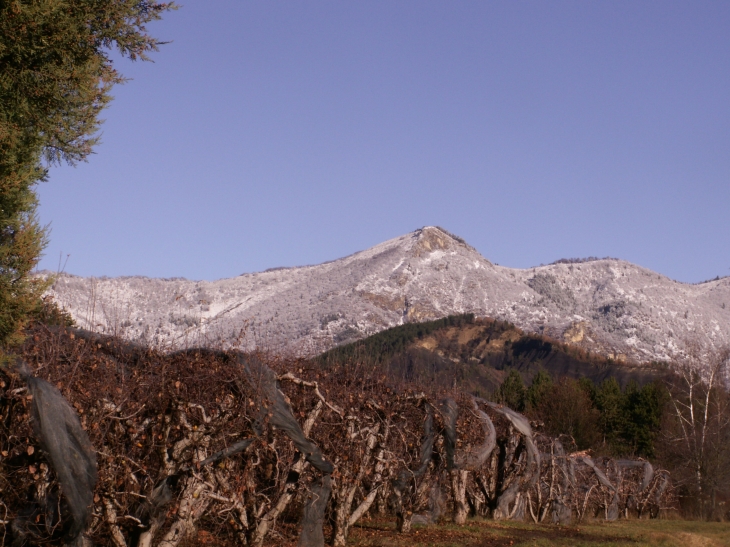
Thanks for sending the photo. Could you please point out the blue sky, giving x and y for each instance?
(288, 133)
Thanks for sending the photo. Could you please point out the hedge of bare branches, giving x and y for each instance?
(245, 450)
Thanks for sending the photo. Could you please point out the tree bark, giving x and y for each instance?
(458, 487)
(269, 519)
(346, 493)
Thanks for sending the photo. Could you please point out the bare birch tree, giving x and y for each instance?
(696, 440)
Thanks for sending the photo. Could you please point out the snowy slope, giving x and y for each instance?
(609, 306)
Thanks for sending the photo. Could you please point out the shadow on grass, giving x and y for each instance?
(481, 534)
(487, 533)
(561, 535)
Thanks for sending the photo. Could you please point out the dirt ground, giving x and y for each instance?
(482, 533)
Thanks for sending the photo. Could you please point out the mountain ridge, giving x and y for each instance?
(608, 306)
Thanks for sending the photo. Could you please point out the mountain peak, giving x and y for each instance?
(431, 238)
(607, 306)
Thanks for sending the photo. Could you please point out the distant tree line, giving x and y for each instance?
(681, 421)
(581, 260)
(604, 417)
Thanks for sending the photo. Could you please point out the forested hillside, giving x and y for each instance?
(477, 354)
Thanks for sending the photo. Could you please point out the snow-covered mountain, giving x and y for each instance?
(609, 306)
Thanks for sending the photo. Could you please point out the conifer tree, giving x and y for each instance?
(610, 402)
(56, 74)
(539, 390)
(643, 412)
(512, 392)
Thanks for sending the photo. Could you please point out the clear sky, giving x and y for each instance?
(288, 133)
